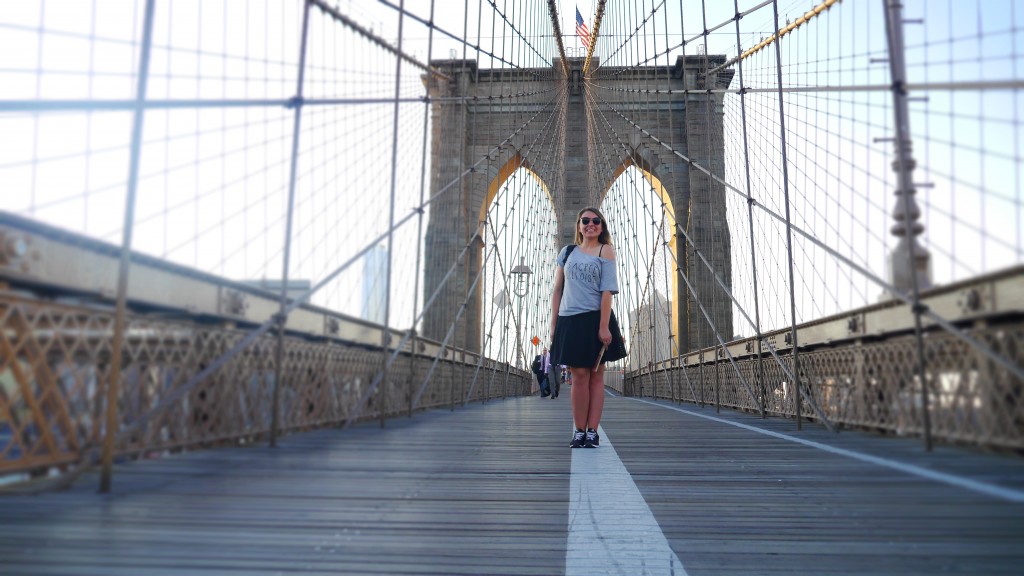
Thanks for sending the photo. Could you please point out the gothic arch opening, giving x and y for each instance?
(642, 217)
(519, 228)
(506, 172)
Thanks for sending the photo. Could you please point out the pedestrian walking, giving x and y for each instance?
(541, 369)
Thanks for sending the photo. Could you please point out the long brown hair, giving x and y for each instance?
(604, 237)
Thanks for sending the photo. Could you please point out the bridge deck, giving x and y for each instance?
(493, 489)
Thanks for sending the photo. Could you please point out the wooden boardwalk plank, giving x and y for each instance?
(485, 490)
(732, 501)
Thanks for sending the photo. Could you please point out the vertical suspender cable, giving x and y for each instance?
(386, 332)
(750, 214)
(465, 236)
(413, 345)
(654, 241)
(708, 110)
(682, 294)
(113, 385)
(670, 241)
(688, 270)
(282, 315)
(789, 225)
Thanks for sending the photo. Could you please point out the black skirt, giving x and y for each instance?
(576, 343)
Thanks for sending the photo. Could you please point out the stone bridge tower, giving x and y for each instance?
(577, 144)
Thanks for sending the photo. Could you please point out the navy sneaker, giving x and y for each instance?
(592, 440)
(577, 439)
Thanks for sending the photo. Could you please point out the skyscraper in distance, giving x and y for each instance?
(375, 278)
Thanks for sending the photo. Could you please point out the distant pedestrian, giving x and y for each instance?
(584, 331)
(542, 368)
(555, 377)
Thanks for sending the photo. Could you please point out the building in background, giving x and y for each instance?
(375, 279)
(649, 330)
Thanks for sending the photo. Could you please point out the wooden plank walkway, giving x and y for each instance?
(493, 489)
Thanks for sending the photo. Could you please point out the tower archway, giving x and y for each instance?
(643, 225)
(519, 228)
(568, 140)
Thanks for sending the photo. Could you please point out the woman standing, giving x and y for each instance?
(584, 333)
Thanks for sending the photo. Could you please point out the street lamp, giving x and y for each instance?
(520, 287)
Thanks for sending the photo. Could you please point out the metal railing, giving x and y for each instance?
(860, 370)
(56, 345)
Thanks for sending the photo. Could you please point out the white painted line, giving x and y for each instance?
(968, 484)
(611, 528)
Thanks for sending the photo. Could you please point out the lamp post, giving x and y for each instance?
(520, 287)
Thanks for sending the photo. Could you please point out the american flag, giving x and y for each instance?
(581, 29)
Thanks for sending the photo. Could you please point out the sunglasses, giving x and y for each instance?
(587, 220)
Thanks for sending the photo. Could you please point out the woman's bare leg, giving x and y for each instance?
(596, 393)
(580, 397)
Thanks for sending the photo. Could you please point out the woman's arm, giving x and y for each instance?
(556, 299)
(603, 333)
